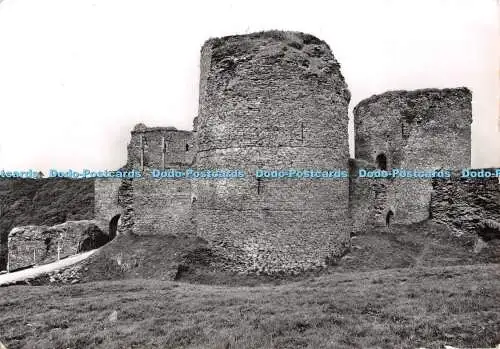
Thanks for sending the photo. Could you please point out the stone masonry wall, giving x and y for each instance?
(423, 129)
(106, 192)
(126, 202)
(159, 147)
(30, 245)
(161, 206)
(272, 100)
(369, 203)
(26, 246)
(469, 206)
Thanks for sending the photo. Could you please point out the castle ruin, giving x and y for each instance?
(277, 100)
(425, 129)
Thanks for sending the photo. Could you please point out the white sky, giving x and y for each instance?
(76, 76)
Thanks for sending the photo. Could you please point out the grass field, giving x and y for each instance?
(397, 308)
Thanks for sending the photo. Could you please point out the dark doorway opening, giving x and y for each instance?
(95, 239)
(113, 226)
(388, 218)
(381, 162)
(489, 231)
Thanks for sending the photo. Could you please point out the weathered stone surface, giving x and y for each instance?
(468, 206)
(125, 201)
(30, 245)
(427, 128)
(106, 194)
(274, 100)
(161, 206)
(369, 203)
(159, 147)
(423, 129)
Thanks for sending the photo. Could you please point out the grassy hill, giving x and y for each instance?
(398, 308)
(42, 202)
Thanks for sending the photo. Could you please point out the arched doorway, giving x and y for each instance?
(388, 217)
(113, 226)
(381, 161)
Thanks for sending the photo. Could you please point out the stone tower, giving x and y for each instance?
(159, 206)
(424, 129)
(272, 100)
(159, 148)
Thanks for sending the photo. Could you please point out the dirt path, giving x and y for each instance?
(43, 269)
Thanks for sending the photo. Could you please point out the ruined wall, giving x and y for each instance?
(106, 192)
(42, 202)
(34, 244)
(26, 246)
(159, 147)
(369, 203)
(126, 201)
(469, 206)
(423, 129)
(274, 100)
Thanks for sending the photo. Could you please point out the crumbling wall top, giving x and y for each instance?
(310, 55)
(141, 128)
(279, 35)
(418, 99)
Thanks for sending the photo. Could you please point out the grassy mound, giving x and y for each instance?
(190, 259)
(423, 244)
(132, 256)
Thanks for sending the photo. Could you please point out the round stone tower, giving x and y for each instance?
(425, 129)
(275, 101)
